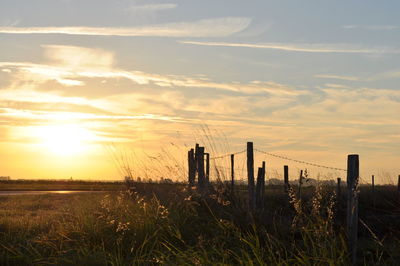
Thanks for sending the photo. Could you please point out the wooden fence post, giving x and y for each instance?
(232, 171)
(263, 184)
(286, 177)
(250, 176)
(196, 151)
(373, 190)
(300, 182)
(373, 183)
(339, 189)
(352, 205)
(258, 187)
(191, 166)
(207, 179)
(339, 205)
(200, 167)
(398, 186)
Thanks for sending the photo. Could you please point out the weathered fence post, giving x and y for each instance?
(207, 179)
(286, 177)
(339, 189)
(373, 183)
(232, 171)
(191, 166)
(352, 204)
(373, 190)
(398, 186)
(200, 167)
(300, 182)
(196, 151)
(250, 176)
(258, 187)
(263, 184)
(339, 208)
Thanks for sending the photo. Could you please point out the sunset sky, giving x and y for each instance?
(312, 80)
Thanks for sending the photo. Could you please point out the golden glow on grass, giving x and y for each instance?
(64, 139)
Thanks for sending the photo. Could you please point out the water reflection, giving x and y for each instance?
(39, 192)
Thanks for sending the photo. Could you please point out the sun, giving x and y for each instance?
(64, 140)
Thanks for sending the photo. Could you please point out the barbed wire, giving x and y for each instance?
(281, 157)
(243, 172)
(300, 161)
(226, 155)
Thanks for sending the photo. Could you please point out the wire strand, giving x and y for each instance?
(226, 155)
(281, 157)
(299, 161)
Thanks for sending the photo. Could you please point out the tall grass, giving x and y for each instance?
(171, 224)
(168, 224)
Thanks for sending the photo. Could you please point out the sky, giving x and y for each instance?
(84, 80)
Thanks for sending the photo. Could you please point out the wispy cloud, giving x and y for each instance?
(78, 56)
(319, 123)
(307, 48)
(372, 27)
(32, 96)
(152, 7)
(70, 76)
(332, 104)
(217, 27)
(76, 116)
(337, 86)
(67, 65)
(340, 77)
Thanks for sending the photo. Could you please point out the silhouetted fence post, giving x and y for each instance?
(300, 182)
(207, 179)
(373, 190)
(232, 171)
(263, 185)
(398, 186)
(339, 189)
(286, 177)
(352, 205)
(250, 176)
(191, 167)
(258, 187)
(200, 167)
(196, 151)
(339, 220)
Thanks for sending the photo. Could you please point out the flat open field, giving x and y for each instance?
(47, 185)
(155, 224)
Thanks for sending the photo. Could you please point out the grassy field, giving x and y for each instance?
(47, 185)
(156, 224)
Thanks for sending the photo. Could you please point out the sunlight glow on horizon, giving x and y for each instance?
(152, 74)
(63, 139)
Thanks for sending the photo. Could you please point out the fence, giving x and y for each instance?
(200, 168)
